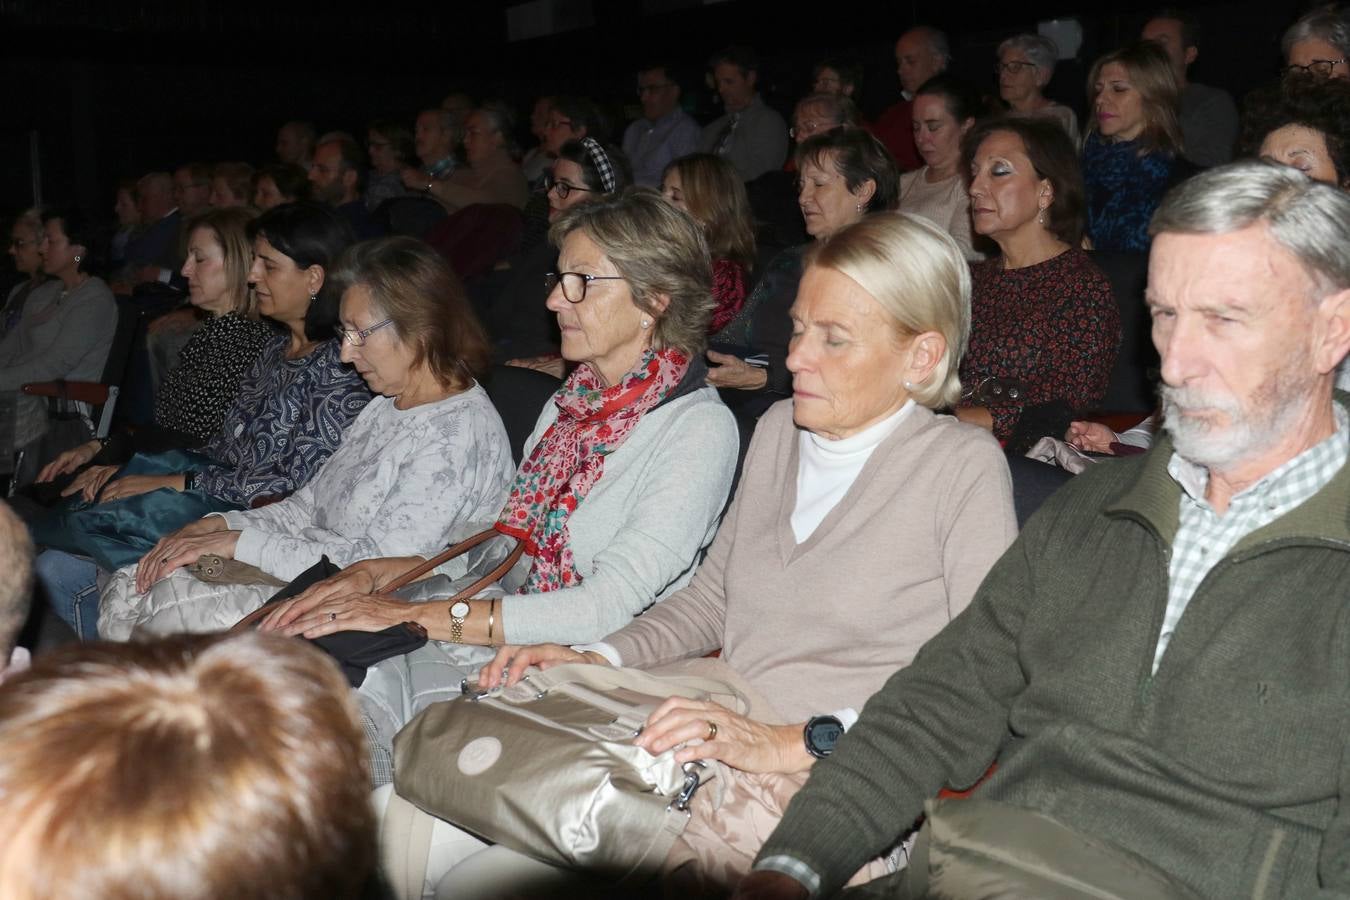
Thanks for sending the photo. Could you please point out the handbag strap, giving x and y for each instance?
(450, 553)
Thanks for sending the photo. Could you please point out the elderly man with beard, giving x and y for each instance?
(1160, 665)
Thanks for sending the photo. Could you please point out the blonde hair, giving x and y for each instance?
(916, 272)
(1151, 75)
(717, 200)
(192, 768)
(229, 226)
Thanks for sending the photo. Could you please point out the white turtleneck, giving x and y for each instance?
(826, 469)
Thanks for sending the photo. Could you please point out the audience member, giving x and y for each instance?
(193, 768)
(287, 419)
(537, 159)
(336, 177)
(16, 591)
(295, 144)
(128, 221)
(1133, 147)
(1319, 42)
(665, 131)
(844, 175)
(837, 75)
(711, 191)
(231, 185)
(1045, 326)
(915, 505)
(279, 183)
(153, 253)
(818, 113)
(1114, 638)
(920, 53)
(750, 135)
(389, 145)
(1301, 121)
(427, 457)
(944, 110)
(492, 174)
(192, 189)
(200, 388)
(1026, 63)
(435, 138)
(459, 105)
(572, 119)
(25, 247)
(1209, 118)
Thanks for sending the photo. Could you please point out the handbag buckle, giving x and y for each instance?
(692, 783)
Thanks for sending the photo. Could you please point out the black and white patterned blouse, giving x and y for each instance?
(195, 395)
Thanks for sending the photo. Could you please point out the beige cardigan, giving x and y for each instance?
(820, 626)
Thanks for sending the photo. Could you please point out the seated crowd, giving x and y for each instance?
(753, 398)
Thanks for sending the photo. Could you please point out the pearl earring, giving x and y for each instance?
(1040, 218)
(646, 323)
(909, 386)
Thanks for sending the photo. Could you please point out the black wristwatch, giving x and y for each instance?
(821, 734)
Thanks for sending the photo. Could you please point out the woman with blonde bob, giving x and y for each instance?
(856, 474)
(709, 189)
(192, 768)
(1132, 152)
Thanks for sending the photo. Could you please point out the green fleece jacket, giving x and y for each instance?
(1227, 768)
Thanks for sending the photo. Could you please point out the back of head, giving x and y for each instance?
(1308, 101)
(858, 157)
(1053, 156)
(414, 286)
(1151, 74)
(16, 588)
(190, 767)
(915, 270)
(604, 167)
(1308, 218)
(716, 197)
(311, 234)
(660, 251)
(230, 227)
(1330, 23)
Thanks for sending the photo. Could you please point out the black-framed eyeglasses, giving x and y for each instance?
(358, 338)
(562, 186)
(574, 283)
(1322, 67)
(1013, 68)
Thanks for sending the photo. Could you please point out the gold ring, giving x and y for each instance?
(712, 731)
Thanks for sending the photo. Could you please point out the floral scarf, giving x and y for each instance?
(593, 421)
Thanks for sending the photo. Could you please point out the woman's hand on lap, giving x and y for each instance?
(89, 482)
(364, 577)
(351, 612)
(69, 461)
(132, 485)
(175, 550)
(740, 742)
(733, 372)
(511, 662)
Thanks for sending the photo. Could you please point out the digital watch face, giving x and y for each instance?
(823, 733)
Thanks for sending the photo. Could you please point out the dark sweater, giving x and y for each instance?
(1225, 769)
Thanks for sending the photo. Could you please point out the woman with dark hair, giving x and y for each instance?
(390, 147)
(426, 457)
(944, 109)
(709, 189)
(1132, 152)
(287, 419)
(843, 176)
(1044, 324)
(1301, 121)
(279, 183)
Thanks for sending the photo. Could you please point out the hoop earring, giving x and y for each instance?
(77, 260)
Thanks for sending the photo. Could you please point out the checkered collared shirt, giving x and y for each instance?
(1204, 537)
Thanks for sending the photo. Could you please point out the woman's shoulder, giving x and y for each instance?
(699, 415)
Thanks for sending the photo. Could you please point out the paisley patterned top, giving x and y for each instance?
(196, 394)
(287, 419)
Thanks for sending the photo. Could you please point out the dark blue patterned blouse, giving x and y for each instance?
(1123, 190)
(287, 419)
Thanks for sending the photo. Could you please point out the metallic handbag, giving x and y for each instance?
(547, 766)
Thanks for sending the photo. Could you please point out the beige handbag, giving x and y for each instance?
(547, 767)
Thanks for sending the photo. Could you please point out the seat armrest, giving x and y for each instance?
(91, 392)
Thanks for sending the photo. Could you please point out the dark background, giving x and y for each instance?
(108, 89)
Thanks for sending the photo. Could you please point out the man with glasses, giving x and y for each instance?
(1209, 117)
(1319, 43)
(665, 131)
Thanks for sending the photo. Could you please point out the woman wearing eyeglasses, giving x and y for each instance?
(290, 412)
(1026, 63)
(425, 457)
(623, 481)
(1319, 43)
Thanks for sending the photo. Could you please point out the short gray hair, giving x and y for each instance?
(917, 274)
(1039, 49)
(1327, 23)
(1309, 219)
(659, 250)
(937, 41)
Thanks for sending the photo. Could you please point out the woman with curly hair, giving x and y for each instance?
(1301, 121)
